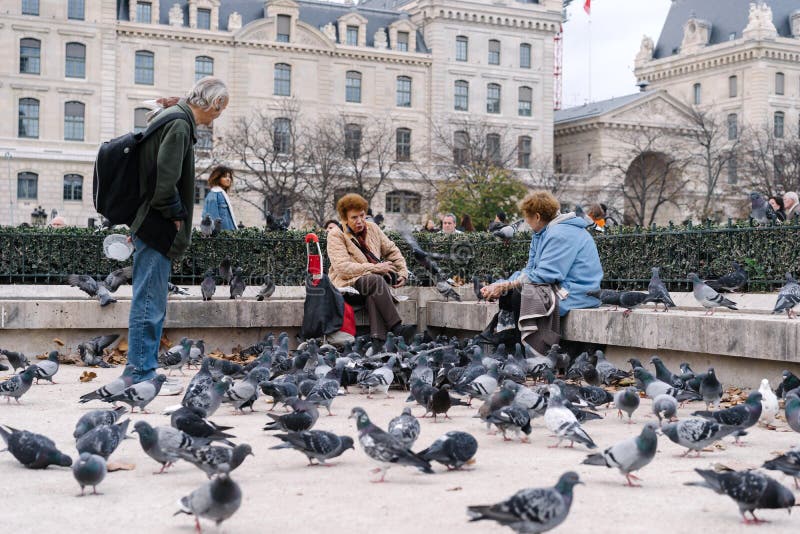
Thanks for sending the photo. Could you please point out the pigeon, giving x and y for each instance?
(707, 297)
(792, 411)
(654, 387)
(788, 464)
(629, 455)
(664, 374)
(176, 357)
(742, 415)
(788, 383)
(477, 285)
(206, 226)
(267, 290)
(380, 379)
(760, 210)
(192, 421)
(696, 434)
(507, 232)
(114, 387)
(447, 290)
(484, 385)
(315, 444)
(103, 440)
(34, 451)
(217, 227)
(215, 460)
(711, 389)
(405, 427)
(279, 391)
(769, 403)
(532, 510)
(751, 490)
(172, 289)
(303, 417)
(626, 400)
(788, 297)
(241, 392)
(208, 286)
(196, 354)
(607, 371)
(665, 407)
(91, 352)
(140, 394)
(117, 278)
(383, 447)
(216, 500)
(440, 402)
(237, 285)
(219, 367)
(163, 444)
(18, 385)
(562, 422)
(202, 392)
(422, 371)
(609, 297)
(732, 281)
(89, 470)
(47, 369)
(631, 300)
(512, 417)
(657, 291)
(16, 359)
(96, 418)
(225, 271)
(91, 287)
(453, 450)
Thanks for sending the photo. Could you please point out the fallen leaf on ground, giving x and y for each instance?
(88, 376)
(119, 466)
(58, 342)
(457, 488)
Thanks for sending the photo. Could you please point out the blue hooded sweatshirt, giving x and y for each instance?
(564, 253)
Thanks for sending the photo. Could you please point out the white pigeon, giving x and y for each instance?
(769, 403)
(562, 422)
(380, 379)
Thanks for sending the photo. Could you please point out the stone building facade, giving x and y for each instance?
(79, 72)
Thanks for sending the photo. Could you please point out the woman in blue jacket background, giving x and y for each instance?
(218, 205)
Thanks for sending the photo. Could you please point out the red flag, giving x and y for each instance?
(587, 6)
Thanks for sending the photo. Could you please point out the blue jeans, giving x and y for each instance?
(148, 309)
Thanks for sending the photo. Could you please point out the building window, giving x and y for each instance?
(403, 144)
(30, 7)
(353, 87)
(73, 187)
(524, 152)
(494, 52)
(779, 119)
(284, 28)
(140, 119)
(733, 170)
(403, 92)
(352, 35)
(282, 135)
(697, 92)
(352, 141)
(733, 87)
(205, 138)
(779, 167)
(29, 118)
(73, 121)
(144, 12)
(525, 101)
(203, 19)
(460, 147)
(403, 202)
(30, 56)
(779, 83)
(462, 95)
(493, 98)
(145, 67)
(27, 185)
(76, 10)
(733, 126)
(462, 48)
(525, 56)
(75, 65)
(200, 192)
(283, 80)
(557, 164)
(493, 149)
(203, 66)
(402, 41)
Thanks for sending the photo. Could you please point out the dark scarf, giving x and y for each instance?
(361, 239)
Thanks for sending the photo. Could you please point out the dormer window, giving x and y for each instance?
(144, 12)
(284, 28)
(402, 41)
(203, 19)
(352, 36)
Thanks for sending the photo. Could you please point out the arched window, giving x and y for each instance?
(403, 202)
(29, 118)
(352, 141)
(494, 52)
(462, 95)
(140, 119)
(462, 48)
(145, 68)
(524, 152)
(73, 121)
(525, 56)
(282, 85)
(353, 87)
(780, 80)
(779, 121)
(203, 66)
(733, 86)
(27, 185)
(493, 98)
(73, 187)
(30, 56)
(75, 63)
(403, 91)
(460, 147)
(733, 126)
(525, 101)
(282, 135)
(403, 142)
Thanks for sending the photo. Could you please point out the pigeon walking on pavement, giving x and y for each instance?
(47, 369)
(788, 297)
(405, 427)
(96, 418)
(664, 407)
(34, 451)
(711, 388)
(563, 423)
(91, 352)
(708, 297)
(141, 394)
(89, 470)
(216, 500)
(791, 411)
(16, 359)
(193, 422)
(18, 385)
(163, 444)
(303, 417)
(315, 444)
(176, 357)
(453, 450)
(103, 440)
(214, 459)
(696, 433)
(114, 387)
(629, 455)
(769, 403)
(742, 415)
(788, 464)
(627, 400)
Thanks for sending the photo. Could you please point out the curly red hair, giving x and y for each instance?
(541, 202)
(351, 202)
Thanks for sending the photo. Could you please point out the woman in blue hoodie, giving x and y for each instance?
(562, 253)
(217, 204)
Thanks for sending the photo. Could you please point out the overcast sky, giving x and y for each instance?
(616, 30)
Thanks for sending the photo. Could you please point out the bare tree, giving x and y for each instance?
(325, 166)
(543, 175)
(268, 146)
(772, 163)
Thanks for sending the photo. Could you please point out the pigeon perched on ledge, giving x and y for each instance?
(707, 297)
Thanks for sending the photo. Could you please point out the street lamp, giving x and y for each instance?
(8, 157)
(38, 216)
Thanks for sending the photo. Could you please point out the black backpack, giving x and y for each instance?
(117, 194)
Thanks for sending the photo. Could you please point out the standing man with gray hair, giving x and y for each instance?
(161, 231)
(449, 224)
(790, 206)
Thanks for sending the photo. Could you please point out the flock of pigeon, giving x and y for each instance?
(513, 388)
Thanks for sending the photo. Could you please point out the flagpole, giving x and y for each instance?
(590, 57)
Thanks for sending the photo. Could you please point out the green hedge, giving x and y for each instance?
(47, 256)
